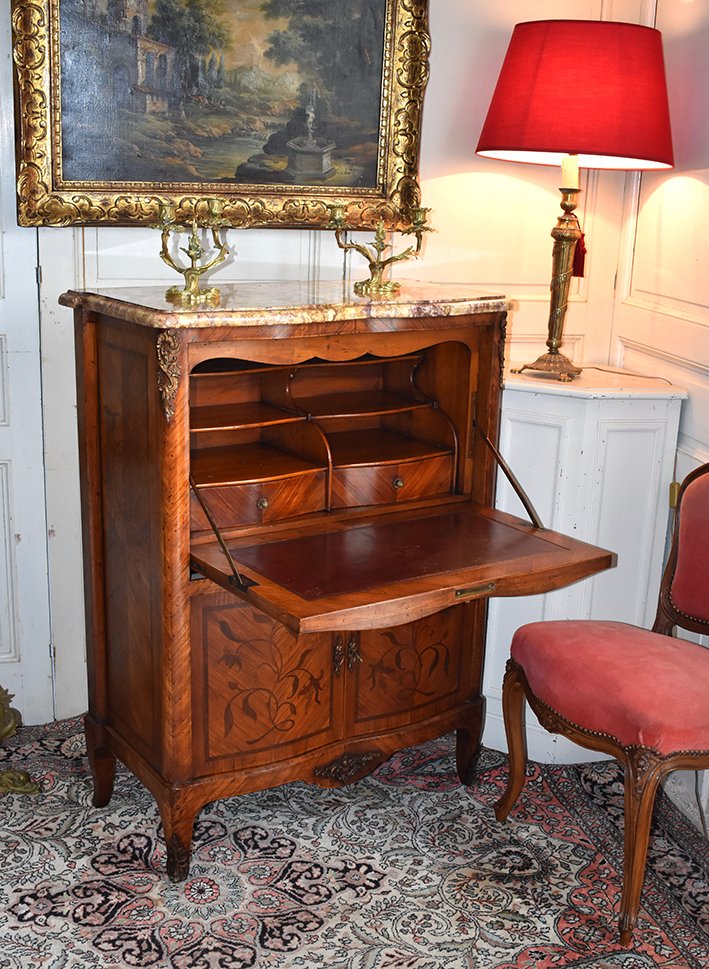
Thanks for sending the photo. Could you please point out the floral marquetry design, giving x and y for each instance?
(264, 688)
(408, 667)
(283, 683)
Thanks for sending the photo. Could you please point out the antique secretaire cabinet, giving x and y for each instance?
(289, 537)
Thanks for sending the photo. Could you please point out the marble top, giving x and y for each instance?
(594, 381)
(272, 303)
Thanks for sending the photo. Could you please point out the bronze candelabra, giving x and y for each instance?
(192, 292)
(376, 285)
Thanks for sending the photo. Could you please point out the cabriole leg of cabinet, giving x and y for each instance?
(102, 762)
(178, 814)
(468, 740)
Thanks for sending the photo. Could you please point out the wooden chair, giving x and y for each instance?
(638, 695)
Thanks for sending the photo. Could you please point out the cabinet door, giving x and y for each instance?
(405, 674)
(260, 694)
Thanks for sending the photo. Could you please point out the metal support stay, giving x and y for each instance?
(509, 474)
(236, 578)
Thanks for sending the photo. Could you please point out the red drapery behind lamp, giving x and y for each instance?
(591, 88)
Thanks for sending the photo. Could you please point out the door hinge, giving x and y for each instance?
(38, 274)
(674, 493)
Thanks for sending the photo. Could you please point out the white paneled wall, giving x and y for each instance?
(25, 657)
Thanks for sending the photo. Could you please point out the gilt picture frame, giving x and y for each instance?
(126, 107)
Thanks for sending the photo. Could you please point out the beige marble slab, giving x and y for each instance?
(278, 302)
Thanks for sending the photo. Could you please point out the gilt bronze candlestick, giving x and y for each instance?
(376, 285)
(566, 235)
(192, 292)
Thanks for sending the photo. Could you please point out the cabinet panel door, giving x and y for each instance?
(260, 694)
(408, 673)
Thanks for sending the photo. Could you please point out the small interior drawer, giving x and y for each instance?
(392, 482)
(260, 502)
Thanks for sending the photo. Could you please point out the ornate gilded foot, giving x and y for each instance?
(17, 782)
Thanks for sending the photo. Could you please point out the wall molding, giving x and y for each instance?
(9, 646)
(4, 383)
(667, 306)
(531, 344)
(672, 359)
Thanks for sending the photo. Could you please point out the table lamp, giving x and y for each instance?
(578, 93)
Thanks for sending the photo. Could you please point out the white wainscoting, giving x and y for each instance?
(596, 457)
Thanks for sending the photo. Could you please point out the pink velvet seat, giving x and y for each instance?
(639, 695)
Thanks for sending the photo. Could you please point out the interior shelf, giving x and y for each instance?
(229, 417)
(379, 446)
(245, 464)
(358, 404)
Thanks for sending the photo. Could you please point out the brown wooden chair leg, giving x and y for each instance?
(513, 696)
(641, 782)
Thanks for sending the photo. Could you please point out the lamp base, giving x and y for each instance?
(552, 363)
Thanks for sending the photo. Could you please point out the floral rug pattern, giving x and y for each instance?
(406, 869)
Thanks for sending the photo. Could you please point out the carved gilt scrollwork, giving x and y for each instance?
(501, 349)
(47, 197)
(168, 348)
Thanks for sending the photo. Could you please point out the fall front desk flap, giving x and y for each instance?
(400, 567)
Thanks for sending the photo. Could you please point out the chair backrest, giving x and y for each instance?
(684, 593)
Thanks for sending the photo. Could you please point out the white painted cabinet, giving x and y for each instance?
(596, 457)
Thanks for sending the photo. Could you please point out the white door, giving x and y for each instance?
(25, 661)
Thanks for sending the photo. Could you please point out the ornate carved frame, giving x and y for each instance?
(45, 198)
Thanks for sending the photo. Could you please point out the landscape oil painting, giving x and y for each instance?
(278, 107)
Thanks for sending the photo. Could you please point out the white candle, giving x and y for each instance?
(570, 171)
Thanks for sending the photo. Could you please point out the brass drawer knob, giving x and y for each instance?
(398, 482)
(262, 504)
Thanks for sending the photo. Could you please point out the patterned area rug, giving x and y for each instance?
(403, 870)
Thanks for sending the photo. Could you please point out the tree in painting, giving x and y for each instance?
(195, 29)
(339, 45)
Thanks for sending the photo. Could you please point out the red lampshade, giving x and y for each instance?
(586, 87)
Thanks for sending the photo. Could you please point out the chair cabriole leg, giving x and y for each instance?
(513, 697)
(642, 776)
